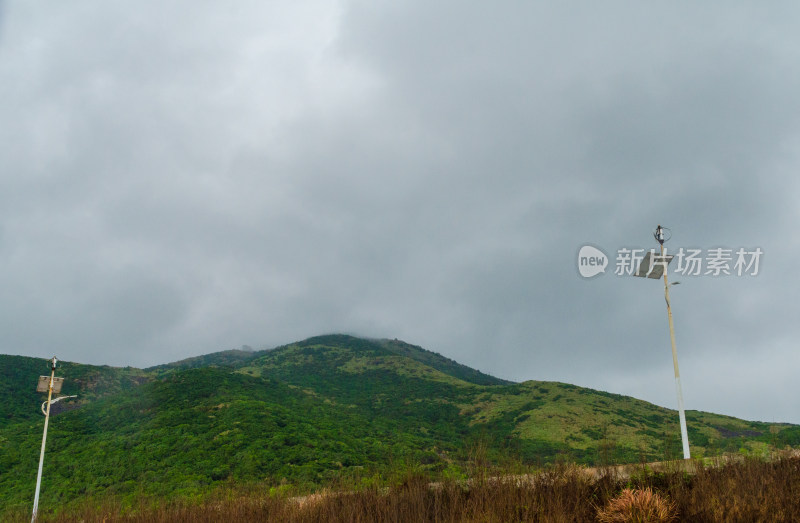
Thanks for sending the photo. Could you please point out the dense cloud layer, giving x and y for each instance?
(188, 177)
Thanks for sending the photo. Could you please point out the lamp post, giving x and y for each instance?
(50, 385)
(651, 269)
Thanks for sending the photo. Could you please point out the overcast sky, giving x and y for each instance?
(182, 177)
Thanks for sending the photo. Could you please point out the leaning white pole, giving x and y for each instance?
(44, 439)
(682, 414)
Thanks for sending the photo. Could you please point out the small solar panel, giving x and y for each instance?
(44, 384)
(658, 266)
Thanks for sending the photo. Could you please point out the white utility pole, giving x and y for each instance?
(50, 389)
(681, 413)
(653, 270)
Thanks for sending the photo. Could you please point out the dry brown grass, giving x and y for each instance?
(747, 490)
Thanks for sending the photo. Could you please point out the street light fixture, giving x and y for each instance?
(49, 384)
(56, 401)
(652, 268)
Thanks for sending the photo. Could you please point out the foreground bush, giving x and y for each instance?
(638, 505)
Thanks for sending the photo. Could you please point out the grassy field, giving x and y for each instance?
(741, 489)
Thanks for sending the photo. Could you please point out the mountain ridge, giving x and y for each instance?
(322, 408)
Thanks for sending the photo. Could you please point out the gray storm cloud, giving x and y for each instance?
(193, 177)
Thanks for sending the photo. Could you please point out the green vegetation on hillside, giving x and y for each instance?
(314, 412)
(439, 362)
(226, 358)
(18, 379)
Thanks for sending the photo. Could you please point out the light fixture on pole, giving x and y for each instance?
(49, 384)
(654, 266)
(56, 401)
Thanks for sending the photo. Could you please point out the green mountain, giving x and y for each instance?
(314, 412)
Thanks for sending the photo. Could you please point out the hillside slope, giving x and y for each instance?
(440, 363)
(182, 434)
(315, 411)
(225, 358)
(536, 420)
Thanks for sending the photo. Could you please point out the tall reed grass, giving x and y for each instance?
(744, 490)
